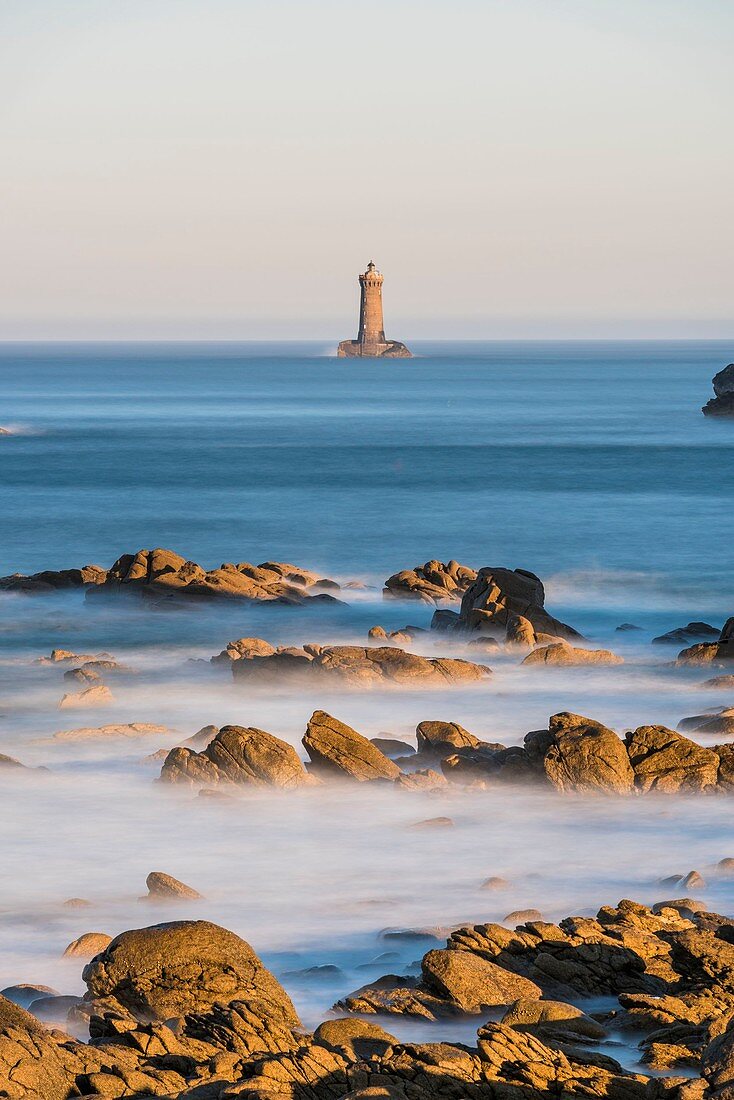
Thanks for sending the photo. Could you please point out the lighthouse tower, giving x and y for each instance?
(371, 342)
(371, 333)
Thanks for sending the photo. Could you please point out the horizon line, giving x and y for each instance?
(45, 341)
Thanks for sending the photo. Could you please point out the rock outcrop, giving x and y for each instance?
(436, 582)
(471, 982)
(583, 755)
(443, 738)
(31, 1064)
(237, 755)
(496, 598)
(338, 751)
(187, 1010)
(53, 580)
(355, 666)
(161, 574)
(664, 760)
(177, 968)
(723, 403)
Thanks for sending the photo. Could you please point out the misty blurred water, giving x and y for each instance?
(590, 464)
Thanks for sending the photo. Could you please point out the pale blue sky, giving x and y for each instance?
(212, 168)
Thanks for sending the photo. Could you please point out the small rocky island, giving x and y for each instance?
(723, 403)
(371, 342)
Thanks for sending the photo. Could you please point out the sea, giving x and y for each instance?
(588, 463)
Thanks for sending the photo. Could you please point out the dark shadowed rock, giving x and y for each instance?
(337, 750)
(391, 747)
(723, 403)
(25, 994)
(684, 634)
(169, 970)
(664, 760)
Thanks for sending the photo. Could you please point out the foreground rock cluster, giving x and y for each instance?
(187, 1010)
(722, 404)
(160, 574)
(574, 755)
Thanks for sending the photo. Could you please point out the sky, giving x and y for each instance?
(223, 169)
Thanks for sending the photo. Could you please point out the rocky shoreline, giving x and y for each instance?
(187, 1010)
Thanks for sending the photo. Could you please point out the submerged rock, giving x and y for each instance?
(683, 634)
(355, 666)
(391, 747)
(560, 653)
(127, 730)
(166, 887)
(99, 696)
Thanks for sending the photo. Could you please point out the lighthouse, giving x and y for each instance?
(371, 342)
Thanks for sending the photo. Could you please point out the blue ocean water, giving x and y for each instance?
(556, 457)
(589, 463)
